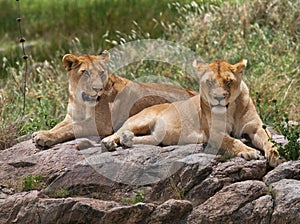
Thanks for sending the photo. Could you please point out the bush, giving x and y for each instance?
(137, 198)
(291, 131)
(32, 182)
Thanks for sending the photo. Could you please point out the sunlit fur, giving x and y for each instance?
(219, 115)
(92, 109)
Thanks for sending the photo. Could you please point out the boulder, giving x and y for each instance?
(67, 210)
(236, 203)
(143, 184)
(287, 170)
(286, 193)
(171, 211)
(223, 174)
(34, 207)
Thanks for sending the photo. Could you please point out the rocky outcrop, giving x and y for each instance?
(237, 203)
(33, 207)
(145, 184)
(287, 170)
(286, 201)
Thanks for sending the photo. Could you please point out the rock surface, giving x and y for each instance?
(145, 184)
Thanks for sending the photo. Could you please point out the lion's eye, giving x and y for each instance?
(102, 74)
(228, 83)
(85, 73)
(210, 82)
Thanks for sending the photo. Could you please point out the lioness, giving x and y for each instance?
(92, 92)
(219, 115)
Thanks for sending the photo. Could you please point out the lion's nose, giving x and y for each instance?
(219, 98)
(97, 89)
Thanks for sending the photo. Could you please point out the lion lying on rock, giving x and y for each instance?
(222, 113)
(100, 102)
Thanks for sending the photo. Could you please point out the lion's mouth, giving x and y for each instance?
(219, 105)
(88, 98)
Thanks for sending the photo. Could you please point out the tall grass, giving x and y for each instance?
(264, 32)
(267, 33)
(50, 27)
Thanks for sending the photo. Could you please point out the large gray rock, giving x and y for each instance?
(33, 207)
(286, 194)
(114, 173)
(226, 173)
(170, 212)
(237, 203)
(24, 159)
(287, 170)
(178, 184)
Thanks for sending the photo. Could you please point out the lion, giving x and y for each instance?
(100, 102)
(219, 115)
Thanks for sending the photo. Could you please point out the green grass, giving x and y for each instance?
(60, 193)
(264, 32)
(31, 182)
(52, 27)
(137, 198)
(291, 130)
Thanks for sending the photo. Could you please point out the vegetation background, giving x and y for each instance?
(264, 32)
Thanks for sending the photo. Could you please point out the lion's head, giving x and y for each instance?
(220, 83)
(88, 75)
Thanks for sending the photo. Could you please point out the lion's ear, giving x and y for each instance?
(104, 56)
(239, 67)
(69, 60)
(200, 66)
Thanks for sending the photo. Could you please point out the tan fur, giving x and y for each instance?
(99, 114)
(219, 115)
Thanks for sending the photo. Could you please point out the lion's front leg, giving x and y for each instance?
(238, 148)
(260, 140)
(60, 133)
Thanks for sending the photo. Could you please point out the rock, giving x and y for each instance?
(24, 158)
(127, 214)
(287, 170)
(32, 207)
(287, 201)
(172, 211)
(112, 173)
(257, 211)
(236, 203)
(174, 184)
(5, 192)
(83, 179)
(197, 168)
(226, 173)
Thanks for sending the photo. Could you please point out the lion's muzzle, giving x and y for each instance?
(88, 98)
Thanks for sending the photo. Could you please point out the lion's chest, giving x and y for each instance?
(218, 123)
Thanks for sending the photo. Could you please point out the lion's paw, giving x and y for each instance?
(109, 144)
(273, 158)
(126, 138)
(43, 138)
(250, 154)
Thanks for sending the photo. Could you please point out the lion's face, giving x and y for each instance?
(87, 76)
(220, 83)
